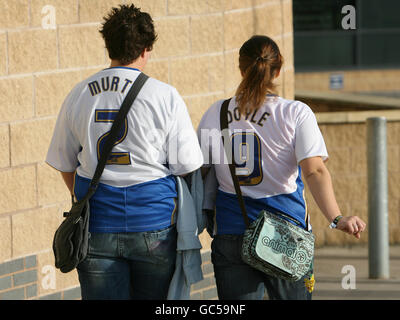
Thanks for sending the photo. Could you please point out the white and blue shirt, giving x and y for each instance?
(137, 189)
(268, 145)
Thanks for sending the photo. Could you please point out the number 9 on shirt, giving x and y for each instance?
(247, 158)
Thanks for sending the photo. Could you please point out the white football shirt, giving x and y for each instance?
(157, 140)
(268, 145)
(284, 132)
(137, 190)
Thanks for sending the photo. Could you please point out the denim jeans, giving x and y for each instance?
(236, 280)
(123, 266)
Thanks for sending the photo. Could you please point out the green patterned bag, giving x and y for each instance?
(278, 247)
(271, 244)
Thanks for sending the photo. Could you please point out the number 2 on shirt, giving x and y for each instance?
(120, 158)
(247, 151)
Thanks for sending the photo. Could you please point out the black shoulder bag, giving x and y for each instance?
(271, 243)
(70, 242)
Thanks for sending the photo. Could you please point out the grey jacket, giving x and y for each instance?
(190, 222)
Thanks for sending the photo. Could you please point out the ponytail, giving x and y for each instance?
(260, 62)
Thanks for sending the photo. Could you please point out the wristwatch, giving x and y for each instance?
(335, 221)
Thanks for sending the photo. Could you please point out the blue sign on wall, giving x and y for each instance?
(336, 81)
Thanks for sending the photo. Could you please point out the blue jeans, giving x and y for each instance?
(123, 266)
(236, 280)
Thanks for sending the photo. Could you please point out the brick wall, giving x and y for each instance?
(347, 147)
(379, 80)
(19, 281)
(205, 289)
(197, 52)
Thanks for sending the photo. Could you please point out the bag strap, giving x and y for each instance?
(223, 116)
(115, 129)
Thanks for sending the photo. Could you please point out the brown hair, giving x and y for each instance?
(259, 61)
(127, 32)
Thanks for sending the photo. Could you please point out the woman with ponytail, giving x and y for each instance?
(275, 141)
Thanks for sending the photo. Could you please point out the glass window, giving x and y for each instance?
(380, 14)
(380, 49)
(321, 43)
(316, 51)
(318, 15)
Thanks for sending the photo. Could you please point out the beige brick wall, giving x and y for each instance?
(197, 52)
(353, 80)
(347, 148)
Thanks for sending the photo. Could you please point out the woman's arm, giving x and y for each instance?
(69, 180)
(319, 181)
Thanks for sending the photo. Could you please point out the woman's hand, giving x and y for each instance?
(351, 225)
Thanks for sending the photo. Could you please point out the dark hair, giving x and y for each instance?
(127, 32)
(259, 61)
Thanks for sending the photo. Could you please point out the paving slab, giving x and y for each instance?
(342, 273)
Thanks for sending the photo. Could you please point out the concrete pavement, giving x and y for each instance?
(342, 274)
